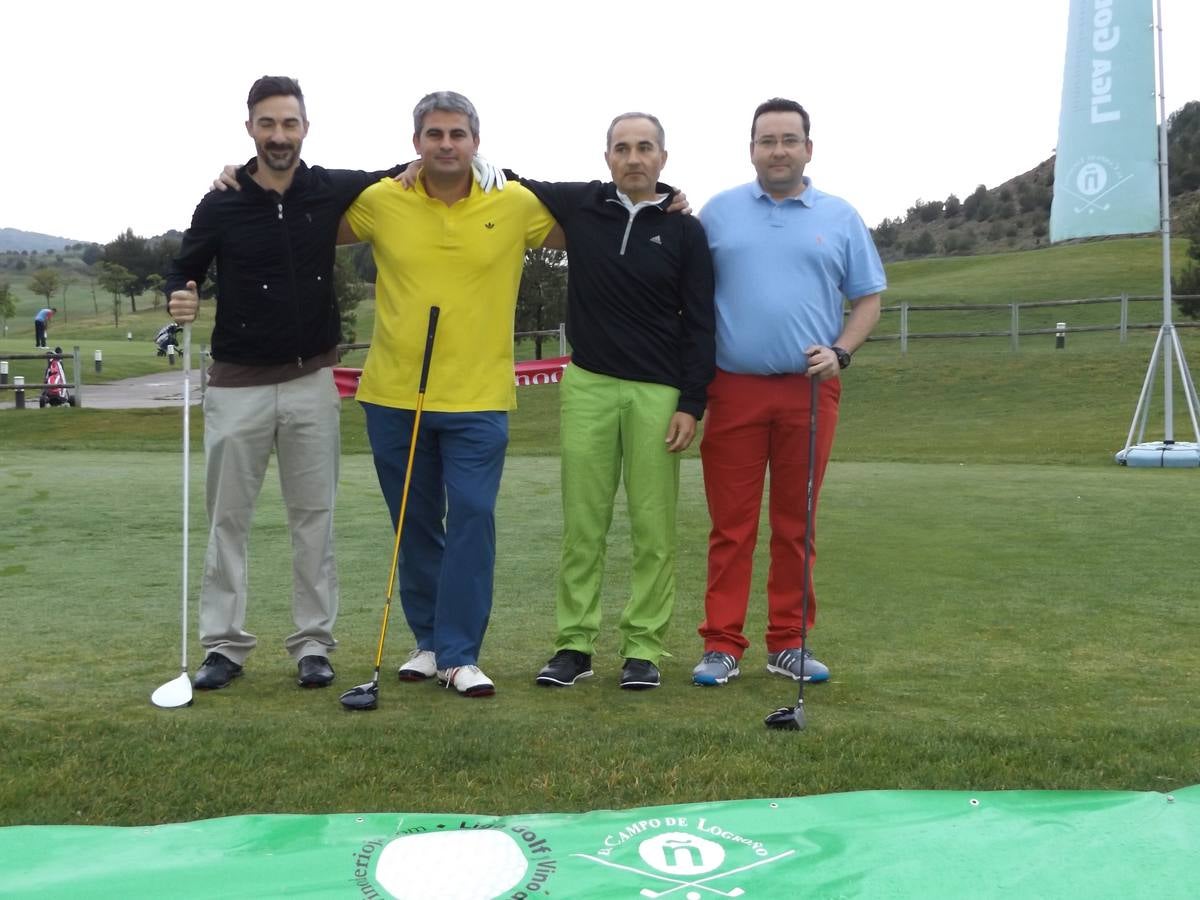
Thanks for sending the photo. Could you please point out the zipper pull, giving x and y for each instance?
(299, 363)
(280, 205)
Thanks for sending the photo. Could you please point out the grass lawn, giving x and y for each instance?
(1002, 606)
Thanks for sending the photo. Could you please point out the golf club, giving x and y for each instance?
(366, 696)
(783, 718)
(178, 691)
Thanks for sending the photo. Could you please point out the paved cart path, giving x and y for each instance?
(145, 391)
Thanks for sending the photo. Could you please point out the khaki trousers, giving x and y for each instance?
(300, 420)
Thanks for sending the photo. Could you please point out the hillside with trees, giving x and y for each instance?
(1015, 215)
(13, 239)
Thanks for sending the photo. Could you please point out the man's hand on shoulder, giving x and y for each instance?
(226, 180)
(679, 204)
(487, 175)
(408, 178)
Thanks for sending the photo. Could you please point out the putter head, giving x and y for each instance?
(364, 696)
(786, 719)
(175, 693)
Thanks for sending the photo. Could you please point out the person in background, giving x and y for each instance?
(41, 325)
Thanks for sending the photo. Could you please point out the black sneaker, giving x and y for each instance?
(215, 672)
(314, 672)
(565, 668)
(640, 675)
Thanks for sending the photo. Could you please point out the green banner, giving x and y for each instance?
(1106, 165)
(873, 844)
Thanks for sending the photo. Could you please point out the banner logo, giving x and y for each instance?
(674, 855)
(1093, 179)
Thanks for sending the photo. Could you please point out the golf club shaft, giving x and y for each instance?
(187, 429)
(813, 400)
(434, 311)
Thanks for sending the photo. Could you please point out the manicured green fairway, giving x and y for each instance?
(1002, 607)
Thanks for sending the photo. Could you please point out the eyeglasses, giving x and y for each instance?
(790, 142)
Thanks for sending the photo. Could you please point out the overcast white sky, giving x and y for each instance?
(118, 114)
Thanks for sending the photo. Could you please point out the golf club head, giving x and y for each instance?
(175, 693)
(365, 696)
(786, 719)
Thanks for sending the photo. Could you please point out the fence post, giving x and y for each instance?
(1016, 323)
(562, 338)
(1124, 317)
(98, 360)
(904, 328)
(3, 371)
(1060, 335)
(77, 376)
(19, 392)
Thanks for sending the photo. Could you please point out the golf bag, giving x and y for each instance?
(56, 392)
(166, 337)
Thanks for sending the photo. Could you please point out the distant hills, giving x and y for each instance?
(13, 239)
(1015, 215)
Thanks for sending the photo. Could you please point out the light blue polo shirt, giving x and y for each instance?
(783, 270)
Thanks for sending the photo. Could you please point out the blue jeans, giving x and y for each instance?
(448, 547)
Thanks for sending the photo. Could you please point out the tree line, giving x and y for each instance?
(130, 266)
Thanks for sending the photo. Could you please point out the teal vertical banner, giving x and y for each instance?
(1106, 167)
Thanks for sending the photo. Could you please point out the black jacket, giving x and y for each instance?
(275, 300)
(639, 292)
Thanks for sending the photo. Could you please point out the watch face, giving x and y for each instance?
(843, 357)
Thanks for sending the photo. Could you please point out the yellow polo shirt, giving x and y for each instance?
(466, 259)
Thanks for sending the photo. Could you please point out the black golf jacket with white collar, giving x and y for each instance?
(639, 289)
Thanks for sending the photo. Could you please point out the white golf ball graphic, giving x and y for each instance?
(451, 865)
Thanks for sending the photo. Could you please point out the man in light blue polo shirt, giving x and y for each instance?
(786, 258)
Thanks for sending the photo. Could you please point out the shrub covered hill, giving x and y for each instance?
(1016, 214)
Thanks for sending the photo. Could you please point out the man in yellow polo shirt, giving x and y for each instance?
(445, 244)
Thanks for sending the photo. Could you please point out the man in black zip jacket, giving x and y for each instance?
(640, 322)
(270, 386)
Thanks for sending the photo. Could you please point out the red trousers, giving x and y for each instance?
(755, 423)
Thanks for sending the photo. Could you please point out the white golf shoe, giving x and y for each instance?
(469, 681)
(421, 664)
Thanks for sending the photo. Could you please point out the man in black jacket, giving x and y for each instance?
(270, 386)
(640, 323)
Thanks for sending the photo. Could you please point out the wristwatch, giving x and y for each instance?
(842, 355)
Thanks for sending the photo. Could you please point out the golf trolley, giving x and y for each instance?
(55, 392)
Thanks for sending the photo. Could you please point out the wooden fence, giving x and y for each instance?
(1014, 332)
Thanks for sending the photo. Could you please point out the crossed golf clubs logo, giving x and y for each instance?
(689, 855)
(1093, 175)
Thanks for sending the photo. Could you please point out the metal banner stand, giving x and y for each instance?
(1167, 453)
